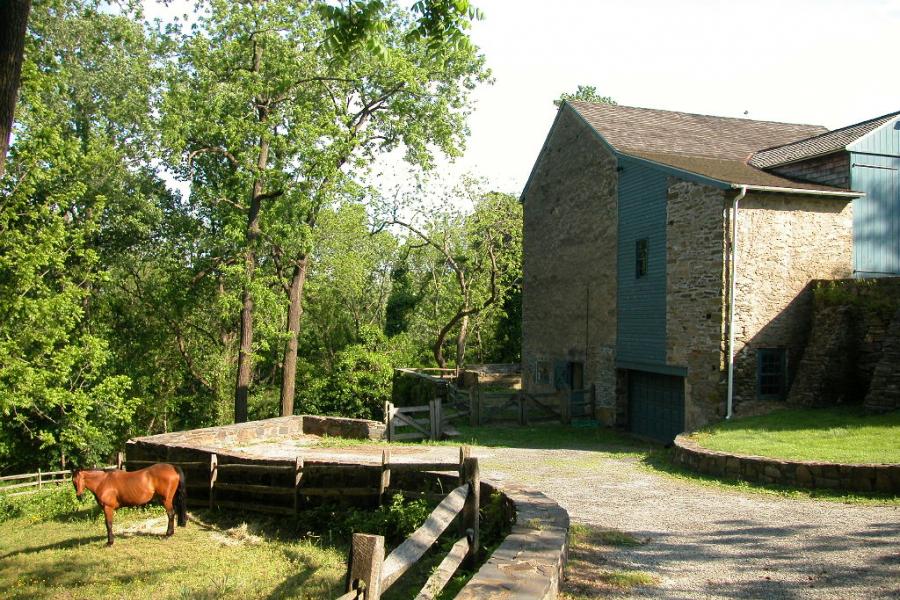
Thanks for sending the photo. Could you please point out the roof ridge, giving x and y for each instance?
(830, 132)
(689, 114)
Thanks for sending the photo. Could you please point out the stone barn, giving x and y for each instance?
(660, 244)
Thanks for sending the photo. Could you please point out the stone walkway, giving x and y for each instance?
(701, 542)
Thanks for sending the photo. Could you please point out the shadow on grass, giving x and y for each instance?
(661, 461)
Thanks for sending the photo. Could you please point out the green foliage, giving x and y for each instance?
(48, 504)
(586, 93)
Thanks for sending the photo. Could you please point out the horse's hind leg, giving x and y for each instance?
(170, 512)
(109, 512)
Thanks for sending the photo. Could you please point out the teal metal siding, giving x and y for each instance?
(876, 216)
(641, 323)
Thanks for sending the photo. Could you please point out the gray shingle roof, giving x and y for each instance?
(815, 146)
(649, 130)
(714, 147)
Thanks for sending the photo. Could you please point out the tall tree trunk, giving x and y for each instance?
(245, 353)
(461, 341)
(289, 372)
(13, 25)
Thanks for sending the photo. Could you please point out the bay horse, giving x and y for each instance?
(113, 489)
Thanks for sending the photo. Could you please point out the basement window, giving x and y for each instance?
(771, 373)
(641, 257)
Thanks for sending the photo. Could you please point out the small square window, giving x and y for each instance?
(641, 257)
(771, 373)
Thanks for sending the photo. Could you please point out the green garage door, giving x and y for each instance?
(655, 405)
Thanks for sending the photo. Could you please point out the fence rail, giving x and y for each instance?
(371, 573)
(38, 480)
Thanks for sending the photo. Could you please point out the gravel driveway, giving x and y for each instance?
(706, 542)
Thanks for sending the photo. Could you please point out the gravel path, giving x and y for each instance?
(700, 541)
(706, 542)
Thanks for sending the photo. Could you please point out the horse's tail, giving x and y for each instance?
(180, 499)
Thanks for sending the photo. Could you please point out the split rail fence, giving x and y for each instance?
(371, 574)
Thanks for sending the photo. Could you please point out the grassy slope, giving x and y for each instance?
(843, 435)
(65, 557)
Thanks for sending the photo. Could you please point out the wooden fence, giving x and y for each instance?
(370, 573)
(38, 480)
(564, 406)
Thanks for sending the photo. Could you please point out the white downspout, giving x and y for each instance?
(731, 299)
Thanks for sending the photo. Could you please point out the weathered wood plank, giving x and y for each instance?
(416, 467)
(310, 491)
(265, 508)
(254, 489)
(445, 570)
(366, 559)
(351, 595)
(190, 463)
(407, 553)
(252, 467)
(412, 409)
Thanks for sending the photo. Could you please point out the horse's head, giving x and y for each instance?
(78, 482)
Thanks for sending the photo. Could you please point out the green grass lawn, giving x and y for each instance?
(842, 434)
(64, 556)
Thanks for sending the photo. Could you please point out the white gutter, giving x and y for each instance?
(767, 188)
(731, 299)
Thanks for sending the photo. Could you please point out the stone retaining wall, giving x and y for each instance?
(271, 428)
(806, 474)
(527, 565)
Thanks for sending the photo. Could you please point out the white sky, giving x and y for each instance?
(826, 62)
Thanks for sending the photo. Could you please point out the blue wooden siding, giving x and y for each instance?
(641, 323)
(876, 217)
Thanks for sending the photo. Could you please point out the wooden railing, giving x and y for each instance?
(371, 573)
(35, 480)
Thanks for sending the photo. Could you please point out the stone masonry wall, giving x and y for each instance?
(784, 243)
(883, 478)
(695, 308)
(832, 169)
(884, 391)
(569, 297)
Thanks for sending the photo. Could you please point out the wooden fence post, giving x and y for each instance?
(565, 407)
(120, 460)
(464, 453)
(438, 419)
(385, 475)
(40, 480)
(389, 412)
(366, 559)
(470, 509)
(523, 418)
(432, 429)
(213, 475)
(298, 477)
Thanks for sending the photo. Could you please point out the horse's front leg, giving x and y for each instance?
(170, 511)
(109, 511)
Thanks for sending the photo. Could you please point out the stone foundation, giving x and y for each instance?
(883, 478)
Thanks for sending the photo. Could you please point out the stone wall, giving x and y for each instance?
(854, 350)
(884, 391)
(784, 243)
(805, 474)
(570, 232)
(831, 169)
(279, 427)
(695, 306)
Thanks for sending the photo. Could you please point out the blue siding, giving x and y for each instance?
(876, 217)
(641, 323)
(884, 140)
